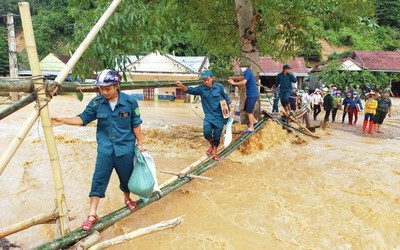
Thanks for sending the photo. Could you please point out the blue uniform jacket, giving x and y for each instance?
(114, 128)
(285, 82)
(210, 98)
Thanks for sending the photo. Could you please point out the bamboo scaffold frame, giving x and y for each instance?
(42, 107)
(20, 85)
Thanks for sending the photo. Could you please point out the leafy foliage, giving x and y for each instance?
(53, 27)
(388, 12)
(4, 65)
(138, 27)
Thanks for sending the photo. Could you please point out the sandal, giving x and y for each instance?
(88, 223)
(216, 157)
(131, 205)
(209, 151)
(248, 130)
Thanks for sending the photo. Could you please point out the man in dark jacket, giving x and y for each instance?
(284, 82)
(328, 105)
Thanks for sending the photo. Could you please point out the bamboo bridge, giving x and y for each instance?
(41, 91)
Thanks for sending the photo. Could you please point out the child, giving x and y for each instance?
(370, 110)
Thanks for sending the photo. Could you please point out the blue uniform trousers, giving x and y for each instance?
(210, 127)
(104, 166)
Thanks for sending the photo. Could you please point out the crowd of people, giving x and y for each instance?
(374, 104)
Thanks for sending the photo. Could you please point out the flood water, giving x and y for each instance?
(277, 191)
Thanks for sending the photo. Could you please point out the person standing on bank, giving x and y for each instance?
(384, 108)
(328, 105)
(337, 104)
(284, 80)
(118, 127)
(370, 110)
(252, 94)
(211, 95)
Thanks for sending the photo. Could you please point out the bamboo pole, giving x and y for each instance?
(86, 42)
(183, 175)
(183, 171)
(87, 242)
(137, 233)
(23, 85)
(9, 84)
(45, 116)
(18, 105)
(16, 142)
(122, 213)
(39, 219)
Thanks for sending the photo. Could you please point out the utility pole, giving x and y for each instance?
(12, 52)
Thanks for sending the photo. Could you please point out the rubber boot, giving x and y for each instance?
(216, 156)
(371, 124)
(364, 127)
(210, 150)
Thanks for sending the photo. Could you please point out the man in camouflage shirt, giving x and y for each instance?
(384, 107)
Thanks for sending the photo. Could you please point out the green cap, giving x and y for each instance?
(206, 73)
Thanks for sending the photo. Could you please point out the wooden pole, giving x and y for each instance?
(39, 219)
(137, 233)
(16, 142)
(12, 51)
(45, 116)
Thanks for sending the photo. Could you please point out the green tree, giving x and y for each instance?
(388, 12)
(4, 65)
(53, 27)
(278, 28)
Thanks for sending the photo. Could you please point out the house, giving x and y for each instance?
(270, 68)
(374, 61)
(51, 65)
(384, 61)
(164, 67)
(348, 64)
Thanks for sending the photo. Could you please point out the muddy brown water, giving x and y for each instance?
(277, 191)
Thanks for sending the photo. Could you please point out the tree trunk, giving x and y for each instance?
(247, 20)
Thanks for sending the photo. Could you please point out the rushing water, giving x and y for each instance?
(278, 191)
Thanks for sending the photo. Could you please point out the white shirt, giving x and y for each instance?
(317, 99)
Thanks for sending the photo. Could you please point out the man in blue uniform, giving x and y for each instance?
(252, 94)
(284, 81)
(211, 94)
(118, 127)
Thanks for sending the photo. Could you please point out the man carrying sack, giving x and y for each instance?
(118, 128)
(211, 94)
